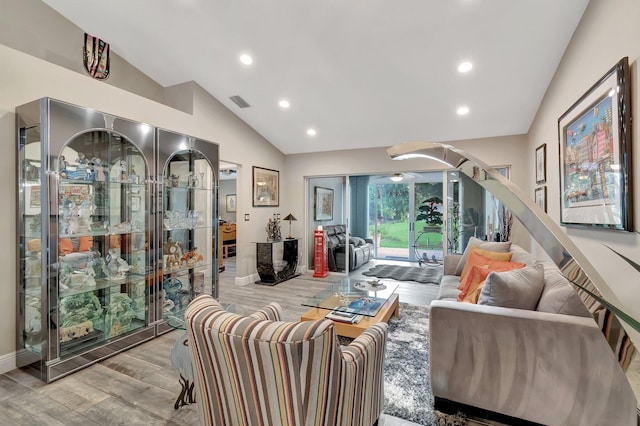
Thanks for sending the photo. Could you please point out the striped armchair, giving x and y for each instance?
(258, 370)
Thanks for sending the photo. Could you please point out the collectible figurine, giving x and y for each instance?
(123, 171)
(62, 167)
(98, 170)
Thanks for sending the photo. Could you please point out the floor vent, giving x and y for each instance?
(239, 101)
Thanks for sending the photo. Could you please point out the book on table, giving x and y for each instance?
(343, 316)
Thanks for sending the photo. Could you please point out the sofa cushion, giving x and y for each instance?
(522, 256)
(449, 287)
(357, 241)
(487, 245)
(485, 255)
(519, 288)
(558, 295)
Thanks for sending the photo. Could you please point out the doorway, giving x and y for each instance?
(227, 221)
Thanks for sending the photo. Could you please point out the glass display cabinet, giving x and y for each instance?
(92, 276)
(189, 227)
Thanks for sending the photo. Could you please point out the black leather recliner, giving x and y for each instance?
(358, 250)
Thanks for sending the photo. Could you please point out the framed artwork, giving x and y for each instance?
(324, 203)
(541, 163)
(231, 203)
(595, 150)
(266, 189)
(540, 196)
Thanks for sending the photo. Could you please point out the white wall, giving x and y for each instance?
(608, 31)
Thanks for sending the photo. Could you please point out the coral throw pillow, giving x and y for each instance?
(477, 276)
(479, 256)
(484, 263)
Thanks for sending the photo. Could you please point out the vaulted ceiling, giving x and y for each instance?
(360, 73)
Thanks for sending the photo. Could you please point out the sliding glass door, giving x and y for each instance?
(406, 216)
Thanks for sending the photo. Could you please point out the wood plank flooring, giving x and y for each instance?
(139, 386)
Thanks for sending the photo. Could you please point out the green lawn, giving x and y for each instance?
(396, 234)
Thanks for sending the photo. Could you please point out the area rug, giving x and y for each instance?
(407, 389)
(427, 274)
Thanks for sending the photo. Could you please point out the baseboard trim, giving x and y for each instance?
(8, 362)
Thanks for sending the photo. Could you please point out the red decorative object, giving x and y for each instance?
(320, 260)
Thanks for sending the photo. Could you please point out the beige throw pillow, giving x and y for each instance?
(486, 245)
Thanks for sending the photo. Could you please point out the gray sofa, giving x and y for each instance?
(358, 250)
(550, 364)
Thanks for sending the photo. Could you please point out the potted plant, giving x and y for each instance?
(430, 214)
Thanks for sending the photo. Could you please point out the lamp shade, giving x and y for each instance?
(289, 217)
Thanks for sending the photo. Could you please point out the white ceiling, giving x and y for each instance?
(364, 73)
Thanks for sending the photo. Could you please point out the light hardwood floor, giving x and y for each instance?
(139, 386)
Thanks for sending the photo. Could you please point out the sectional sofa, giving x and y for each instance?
(529, 349)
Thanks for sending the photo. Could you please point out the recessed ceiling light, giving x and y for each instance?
(246, 59)
(284, 104)
(311, 132)
(465, 67)
(463, 110)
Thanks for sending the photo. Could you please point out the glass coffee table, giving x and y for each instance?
(354, 305)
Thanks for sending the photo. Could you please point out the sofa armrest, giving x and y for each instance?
(450, 263)
(542, 367)
(362, 378)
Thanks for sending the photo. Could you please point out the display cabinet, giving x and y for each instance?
(189, 265)
(92, 276)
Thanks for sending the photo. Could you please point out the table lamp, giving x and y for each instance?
(289, 217)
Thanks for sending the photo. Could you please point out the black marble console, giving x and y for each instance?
(277, 260)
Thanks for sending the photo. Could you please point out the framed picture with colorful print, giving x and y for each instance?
(595, 152)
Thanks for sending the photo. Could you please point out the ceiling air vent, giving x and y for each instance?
(239, 101)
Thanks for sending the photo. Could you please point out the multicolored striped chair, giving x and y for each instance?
(258, 370)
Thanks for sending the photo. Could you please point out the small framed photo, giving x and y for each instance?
(323, 203)
(540, 196)
(266, 190)
(231, 203)
(541, 163)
